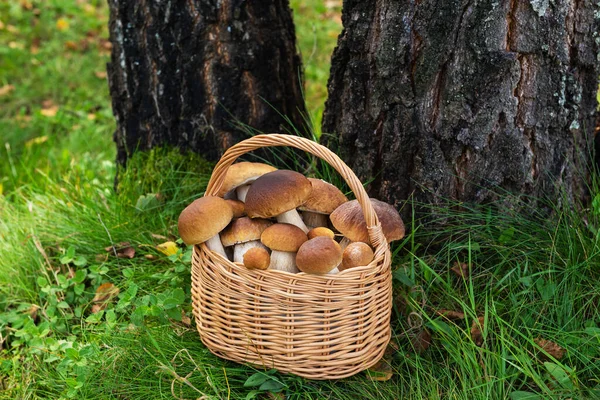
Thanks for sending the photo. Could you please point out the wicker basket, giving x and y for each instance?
(317, 327)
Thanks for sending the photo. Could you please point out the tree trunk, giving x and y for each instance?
(182, 72)
(460, 99)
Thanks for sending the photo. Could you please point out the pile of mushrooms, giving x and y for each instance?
(265, 218)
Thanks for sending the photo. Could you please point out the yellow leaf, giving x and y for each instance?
(49, 112)
(36, 140)
(1, 189)
(168, 248)
(62, 24)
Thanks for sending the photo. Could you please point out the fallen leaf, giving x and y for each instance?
(49, 112)
(450, 314)
(62, 24)
(421, 341)
(12, 29)
(105, 293)
(16, 45)
(150, 256)
(551, 348)
(100, 74)
(6, 89)
(460, 269)
(476, 333)
(168, 248)
(127, 252)
(33, 312)
(185, 320)
(381, 371)
(91, 116)
(71, 45)
(123, 250)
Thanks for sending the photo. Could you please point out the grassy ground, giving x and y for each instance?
(80, 321)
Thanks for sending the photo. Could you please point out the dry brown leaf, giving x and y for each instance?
(6, 89)
(12, 29)
(450, 314)
(381, 371)
(476, 333)
(105, 293)
(551, 348)
(100, 74)
(71, 45)
(33, 312)
(185, 320)
(127, 252)
(460, 269)
(421, 341)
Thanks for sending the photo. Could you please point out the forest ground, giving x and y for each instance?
(95, 301)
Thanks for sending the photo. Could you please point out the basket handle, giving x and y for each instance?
(277, 140)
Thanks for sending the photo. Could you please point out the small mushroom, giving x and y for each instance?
(240, 175)
(323, 199)
(257, 258)
(202, 220)
(277, 194)
(284, 240)
(319, 255)
(350, 221)
(320, 231)
(355, 255)
(244, 233)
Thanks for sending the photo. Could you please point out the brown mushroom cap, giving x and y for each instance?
(324, 197)
(238, 207)
(319, 255)
(257, 258)
(283, 237)
(203, 219)
(242, 173)
(320, 231)
(355, 255)
(244, 230)
(277, 192)
(350, 221)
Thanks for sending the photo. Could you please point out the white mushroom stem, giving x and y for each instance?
(292, 217)
(283, 261)
(241, 192)
(214, 244)
(240, 249)
(313, 219)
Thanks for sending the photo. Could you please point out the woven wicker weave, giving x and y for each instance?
(317, 327)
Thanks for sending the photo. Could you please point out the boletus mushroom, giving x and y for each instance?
(240, 175)
(319, 256)
(257, 258)
(244, 233)
(323, 199)
(284, 240)
(277, 194)
(349, 219)
(356, 254)
(202, 220)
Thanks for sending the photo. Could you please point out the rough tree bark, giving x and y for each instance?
(182, 71)
(449, 98)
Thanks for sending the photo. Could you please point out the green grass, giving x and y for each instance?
(530, 278)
